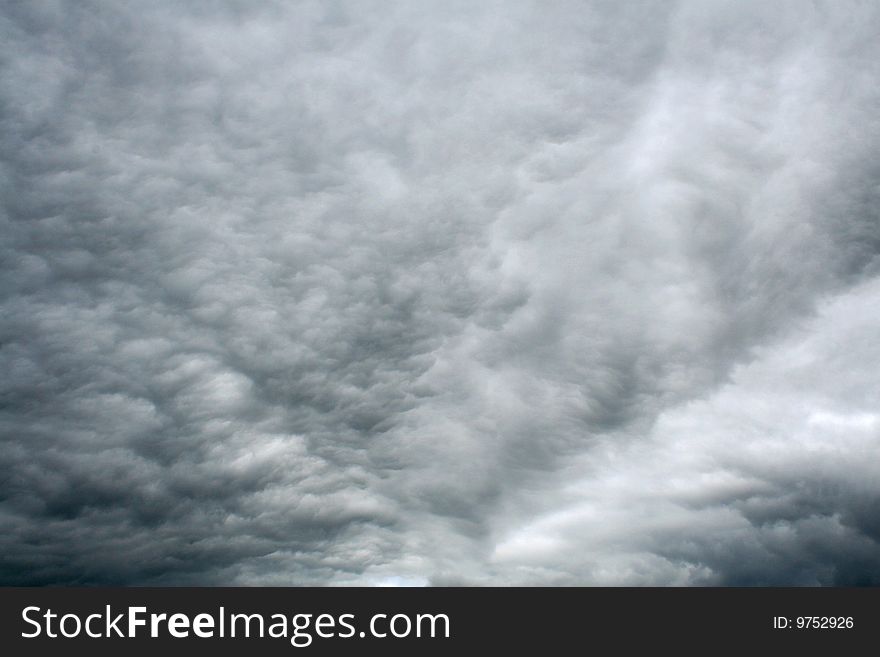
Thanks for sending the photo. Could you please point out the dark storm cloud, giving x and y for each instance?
(434, 292)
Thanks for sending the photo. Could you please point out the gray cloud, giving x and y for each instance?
(417, 293)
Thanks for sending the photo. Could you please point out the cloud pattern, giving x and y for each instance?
(440, 293)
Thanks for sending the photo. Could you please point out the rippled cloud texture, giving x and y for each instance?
(440, 293)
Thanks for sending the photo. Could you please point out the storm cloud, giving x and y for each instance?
(440, 293)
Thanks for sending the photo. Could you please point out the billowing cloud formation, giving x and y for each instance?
(513, 293)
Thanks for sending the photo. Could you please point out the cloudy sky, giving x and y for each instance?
(481, 293)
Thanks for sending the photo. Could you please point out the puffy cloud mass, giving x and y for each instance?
(440, 293)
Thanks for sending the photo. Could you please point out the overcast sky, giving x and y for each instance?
(440, 293)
